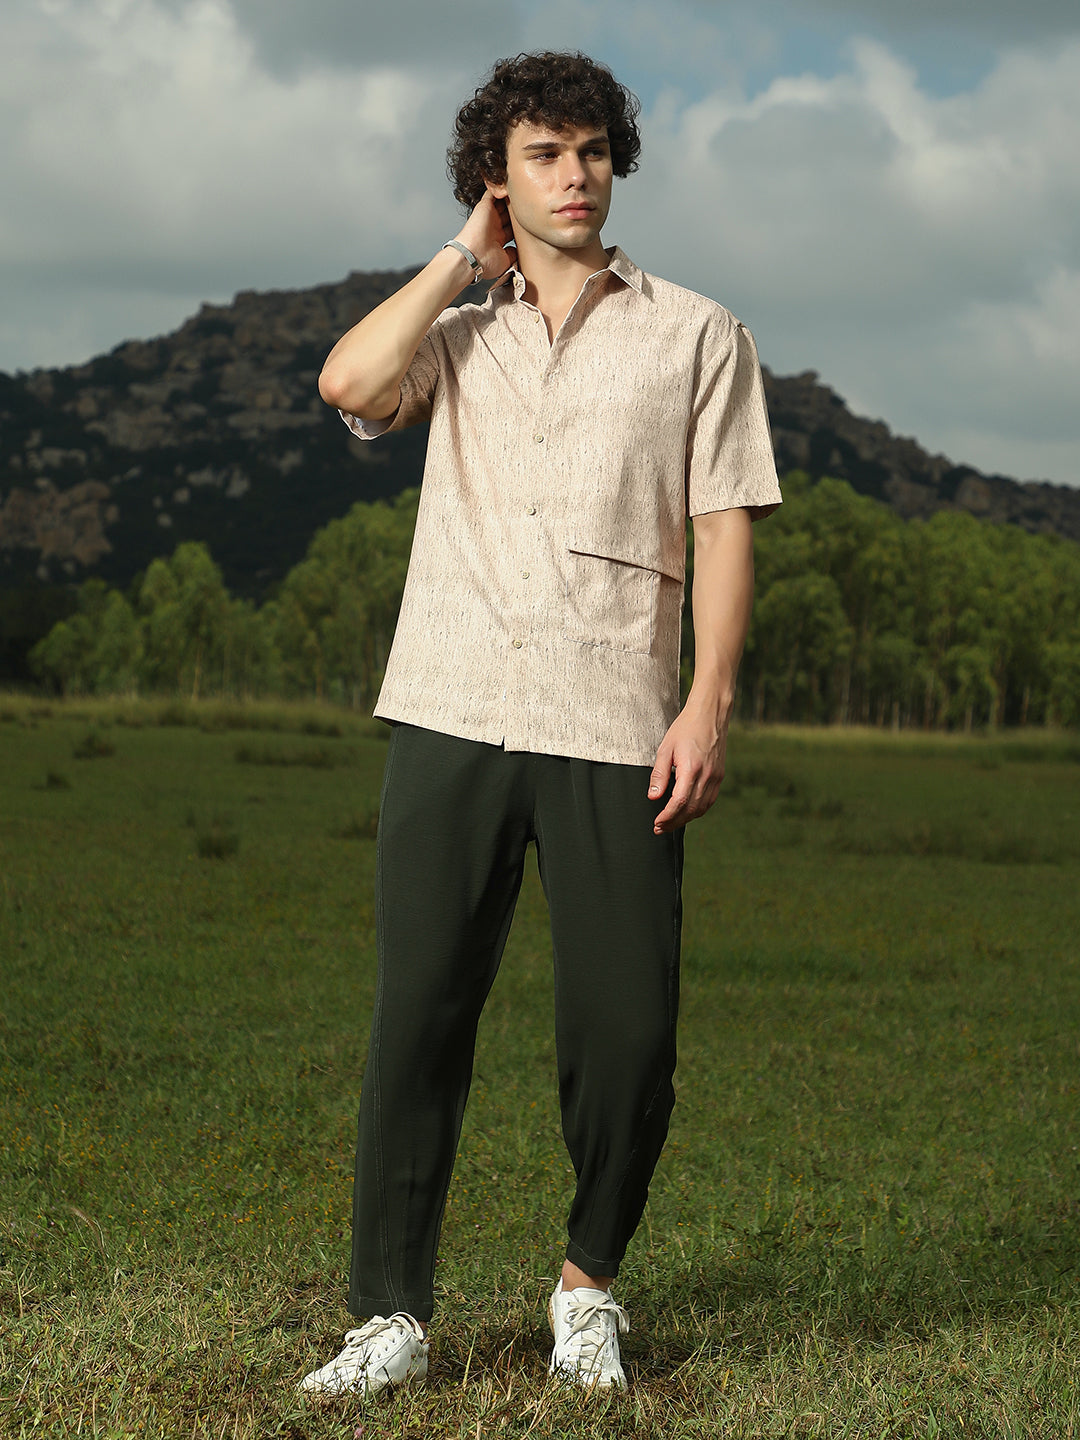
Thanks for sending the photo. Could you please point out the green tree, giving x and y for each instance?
(893, 673)
(335, 615)
(251, 663)
(185, 611)
(969, 670)
(117, 654)
(800, 638)
(96, 650)
(1063, 700)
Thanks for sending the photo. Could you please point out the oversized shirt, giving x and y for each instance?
(542, 609)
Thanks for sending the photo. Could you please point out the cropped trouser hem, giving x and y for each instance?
(421, 1307)
(590, 1264)
(456, 821)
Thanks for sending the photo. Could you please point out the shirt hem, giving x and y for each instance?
(496, 735)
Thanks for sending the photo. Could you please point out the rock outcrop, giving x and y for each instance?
(813, 430)
(217, 433)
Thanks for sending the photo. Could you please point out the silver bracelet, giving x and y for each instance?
(477, 268)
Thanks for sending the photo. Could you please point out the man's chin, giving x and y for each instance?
(579, 238)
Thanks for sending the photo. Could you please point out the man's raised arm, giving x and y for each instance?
(363, 372)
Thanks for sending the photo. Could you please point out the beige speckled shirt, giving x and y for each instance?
(544, 596)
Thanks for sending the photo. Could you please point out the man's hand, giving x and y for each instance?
(486, 233)
(694, 747)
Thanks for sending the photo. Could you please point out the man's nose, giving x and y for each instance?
(573, 173)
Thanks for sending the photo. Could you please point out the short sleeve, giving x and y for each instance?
(729, 457)
(417, 392)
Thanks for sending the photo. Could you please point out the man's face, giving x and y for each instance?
(558, 183)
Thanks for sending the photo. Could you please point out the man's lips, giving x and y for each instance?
(576, 209)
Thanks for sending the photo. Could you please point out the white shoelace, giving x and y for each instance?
(375, 1339)
(588, 1331)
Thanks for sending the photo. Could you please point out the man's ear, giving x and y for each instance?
(496, 188)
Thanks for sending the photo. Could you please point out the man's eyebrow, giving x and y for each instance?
(556, 144)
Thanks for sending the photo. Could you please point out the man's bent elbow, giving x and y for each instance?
(347, 392)
(339, 389)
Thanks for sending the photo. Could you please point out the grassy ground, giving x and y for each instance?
(865, 1223)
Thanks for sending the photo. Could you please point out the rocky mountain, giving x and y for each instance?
(813, 430)
(217, 433)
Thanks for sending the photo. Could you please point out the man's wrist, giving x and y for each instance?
(476, 270)
(455, 266)
(715, 701)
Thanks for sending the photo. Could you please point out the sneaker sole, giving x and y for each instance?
(330, 1390)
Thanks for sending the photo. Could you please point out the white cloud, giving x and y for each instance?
(922, 252)
(1017, 364)
(160, 134)
(146, 148)
(881, 235)
(1001, 18)
(290, 36)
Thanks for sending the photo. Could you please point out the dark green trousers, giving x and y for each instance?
(457, 818)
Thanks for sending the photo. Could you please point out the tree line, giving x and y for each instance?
(860, 618)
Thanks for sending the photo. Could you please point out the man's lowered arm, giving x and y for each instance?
(696, 742)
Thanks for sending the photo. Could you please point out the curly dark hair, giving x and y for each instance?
(548, 88)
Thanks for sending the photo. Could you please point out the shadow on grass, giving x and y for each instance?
(776, 1292)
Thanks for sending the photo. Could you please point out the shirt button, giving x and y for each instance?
(524, 574)
(517, 644)
(530, 509)
(539, 439)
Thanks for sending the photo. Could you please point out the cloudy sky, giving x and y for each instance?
(886, 191)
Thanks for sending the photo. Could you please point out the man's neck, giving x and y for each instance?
(553, 278)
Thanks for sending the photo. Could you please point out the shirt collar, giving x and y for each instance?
(619, 265)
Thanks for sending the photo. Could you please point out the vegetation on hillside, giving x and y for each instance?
(861, 617)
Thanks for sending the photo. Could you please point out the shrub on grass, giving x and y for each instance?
(93, 746)
(174, 713)
(1036, 752)
(810, 807)
(239, 717)
(776, 783)
(320, 759)
(939, 839)
(328, 729)
(363, 825)
(54, 780)
(216, 841)
(1017, 848)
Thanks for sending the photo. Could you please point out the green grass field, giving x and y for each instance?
(866, 1219)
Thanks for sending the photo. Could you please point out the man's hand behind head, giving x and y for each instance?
(486, 233)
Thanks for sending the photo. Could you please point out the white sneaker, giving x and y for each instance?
(586, 1325)
(380, 1353)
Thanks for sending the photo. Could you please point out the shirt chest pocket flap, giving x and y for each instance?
(613, 592)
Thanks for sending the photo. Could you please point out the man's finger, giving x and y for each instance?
(661, 773)
(688, 801)
(676, 804)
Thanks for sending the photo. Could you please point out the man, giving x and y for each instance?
(577, 416)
